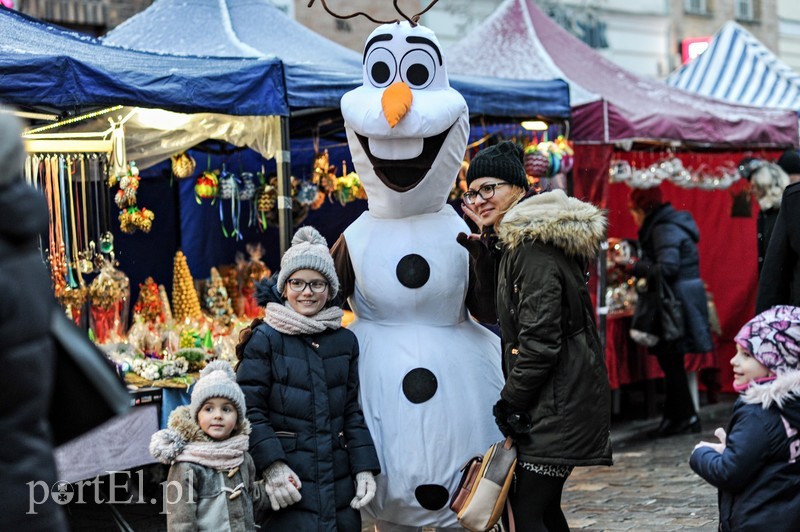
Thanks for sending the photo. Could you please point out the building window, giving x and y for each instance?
(695, 7)
(745, 9)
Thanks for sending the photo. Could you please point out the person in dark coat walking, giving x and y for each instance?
(669, 245)
(555, 404)
(756, 465)
(299, 373)
(768, 183)
(779, 283)
(27, 353)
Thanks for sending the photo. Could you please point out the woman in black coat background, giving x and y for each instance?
(669, 244)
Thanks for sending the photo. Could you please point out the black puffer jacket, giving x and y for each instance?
(302, 402)
(669, 242)
(28, 360)
(555, 366)
(779, 283)
(758, 474)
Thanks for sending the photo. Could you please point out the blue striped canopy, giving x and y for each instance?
(738, 68)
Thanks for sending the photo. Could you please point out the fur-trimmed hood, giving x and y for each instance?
(783, 390)
(183, 429)
(576, 227)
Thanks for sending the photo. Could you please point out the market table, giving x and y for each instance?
(121, 443)
(629, 362)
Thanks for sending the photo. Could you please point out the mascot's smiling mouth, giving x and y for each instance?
(404, 174)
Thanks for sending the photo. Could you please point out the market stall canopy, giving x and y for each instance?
(610, 104)
(317, 71)
(738, 68)
(49, 66)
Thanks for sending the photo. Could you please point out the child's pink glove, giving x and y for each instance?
(365, 490)
(719, 447)
(282, 485)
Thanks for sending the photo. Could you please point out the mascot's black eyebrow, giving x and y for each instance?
(377, 38)
(423, 40)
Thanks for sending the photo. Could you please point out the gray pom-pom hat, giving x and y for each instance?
(309, 251)
(217, 379)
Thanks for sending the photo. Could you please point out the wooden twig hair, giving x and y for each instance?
(412, 20)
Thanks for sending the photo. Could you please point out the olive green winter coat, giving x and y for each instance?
(554, 363)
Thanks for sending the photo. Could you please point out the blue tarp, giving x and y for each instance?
(738, 68)
(44, 65)
(318, 71)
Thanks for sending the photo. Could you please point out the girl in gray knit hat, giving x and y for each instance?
(212, 483)
(298, 370)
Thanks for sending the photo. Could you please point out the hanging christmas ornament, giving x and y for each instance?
(183, 165)
(207, 186)
(537, 163)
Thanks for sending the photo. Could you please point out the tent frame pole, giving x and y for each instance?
(284, 166)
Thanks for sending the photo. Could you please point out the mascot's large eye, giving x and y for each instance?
(417, 68)
(381, 67)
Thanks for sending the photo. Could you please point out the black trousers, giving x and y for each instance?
(536, 502)
(678, 403)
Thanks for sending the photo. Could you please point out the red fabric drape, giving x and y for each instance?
(728, 254)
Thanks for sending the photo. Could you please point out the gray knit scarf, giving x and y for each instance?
(285, 319)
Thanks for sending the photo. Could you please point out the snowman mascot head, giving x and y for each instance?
(406, 127)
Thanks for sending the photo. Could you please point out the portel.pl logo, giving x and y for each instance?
(116, 487)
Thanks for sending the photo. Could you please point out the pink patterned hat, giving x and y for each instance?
(773, 338)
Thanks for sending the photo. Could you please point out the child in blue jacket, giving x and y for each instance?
(756, 465)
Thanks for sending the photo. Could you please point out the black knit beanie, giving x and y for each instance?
(503, 161)
(789, 161)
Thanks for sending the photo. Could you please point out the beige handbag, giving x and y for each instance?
(482, 493)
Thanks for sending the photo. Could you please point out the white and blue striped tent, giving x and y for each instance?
(738, 68)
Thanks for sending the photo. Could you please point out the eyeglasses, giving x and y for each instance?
(485, 191)
(298, 285)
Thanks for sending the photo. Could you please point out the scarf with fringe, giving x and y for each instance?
(220, 455)
(285, 319)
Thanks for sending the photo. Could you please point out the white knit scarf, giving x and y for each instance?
(285, 319)
(225, 454)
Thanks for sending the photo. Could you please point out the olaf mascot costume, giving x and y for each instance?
(429, 374)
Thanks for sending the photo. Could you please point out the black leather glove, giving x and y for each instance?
(511, 422)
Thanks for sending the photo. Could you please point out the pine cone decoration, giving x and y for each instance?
(185, 303)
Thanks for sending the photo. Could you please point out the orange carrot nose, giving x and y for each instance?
(396, 101)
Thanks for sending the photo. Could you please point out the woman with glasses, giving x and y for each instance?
(555, 405)
(298, 370)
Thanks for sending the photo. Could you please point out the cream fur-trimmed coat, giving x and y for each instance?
(574, 226)
(200, 495)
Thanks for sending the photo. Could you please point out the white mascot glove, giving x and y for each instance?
(365, 490)
(282, 485)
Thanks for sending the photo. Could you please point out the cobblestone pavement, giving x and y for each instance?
(650, 487)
